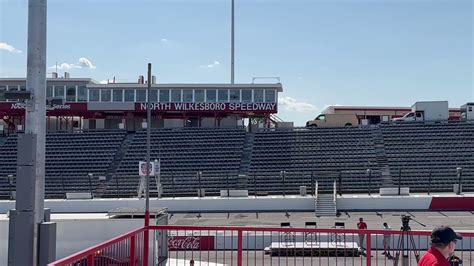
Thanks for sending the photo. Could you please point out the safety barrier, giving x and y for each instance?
(185, 245)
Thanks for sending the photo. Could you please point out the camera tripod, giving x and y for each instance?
(406, 236)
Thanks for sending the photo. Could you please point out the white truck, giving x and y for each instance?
(427, 111)
(467, 112)
(334, 120)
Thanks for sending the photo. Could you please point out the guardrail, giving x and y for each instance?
(179, 245)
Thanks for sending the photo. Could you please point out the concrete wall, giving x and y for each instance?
(246, 204)
(230, 121)
(100, 123)
(365, 202)
(190, 204)
(169, 123)
(207, 122)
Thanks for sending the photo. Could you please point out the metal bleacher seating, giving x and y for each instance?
(183, 152)
(70, 157)
(324, 153)
(417, 150)
(306, 155)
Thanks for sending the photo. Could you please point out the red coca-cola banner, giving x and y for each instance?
(191, 243)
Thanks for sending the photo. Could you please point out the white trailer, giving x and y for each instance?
(467, 112)
(427, 111)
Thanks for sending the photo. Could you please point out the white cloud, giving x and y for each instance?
(215, 64)
(66, 66)
(291, 104)
(81, 63)
(5, 46)
(164, 40)
(86, 63)
(104, 81)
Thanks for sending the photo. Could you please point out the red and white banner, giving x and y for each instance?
(191, 243)
(174, 107)
(19, 108)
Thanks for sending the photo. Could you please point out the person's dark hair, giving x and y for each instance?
(439, 245)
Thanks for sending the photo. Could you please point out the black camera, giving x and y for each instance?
(454, 261)
(406, 221)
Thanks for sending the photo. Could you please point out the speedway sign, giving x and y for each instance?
(210, 107)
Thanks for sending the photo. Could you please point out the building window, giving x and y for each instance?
(211, 96)
(176, 95)
(71, 94)
(2, 93)
(199, 96)
(49, 91)
(23, 88)
(129, 95)
(258, 96)
(93, 95)
(105, 95)
(82, 94)
(154, 96)
(235, 95)
(223, 95)
(187, 96)
(59, 91)
(246, 96)
(118, 95)
(270, 96)
(13, 88)
(141, 96)
(164, 96)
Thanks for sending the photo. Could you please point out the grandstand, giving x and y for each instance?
(420, 149)
(222, 154)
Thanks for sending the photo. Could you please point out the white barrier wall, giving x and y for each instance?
(376, 202)
(190, 204)
(245, 204)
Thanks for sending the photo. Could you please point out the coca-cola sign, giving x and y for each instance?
(191, 243)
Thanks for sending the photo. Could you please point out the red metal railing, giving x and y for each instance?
(179, 245)
(127, 249)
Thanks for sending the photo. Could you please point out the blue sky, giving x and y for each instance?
(346, 52)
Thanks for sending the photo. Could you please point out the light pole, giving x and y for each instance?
(148, 168)
(232, 43)
(148, 149)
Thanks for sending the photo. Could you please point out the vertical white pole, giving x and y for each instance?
(232, 44)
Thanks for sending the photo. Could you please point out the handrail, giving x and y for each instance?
(189, 229)
(91, 252)
(84, 253)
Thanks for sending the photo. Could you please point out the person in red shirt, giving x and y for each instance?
(361, 225)
(443, 242)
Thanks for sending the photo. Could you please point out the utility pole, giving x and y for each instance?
(232, 43)
(148, 169)
(32, 238)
